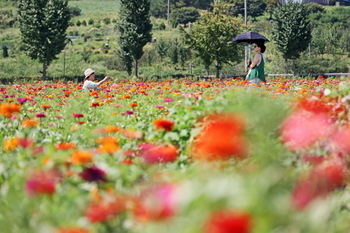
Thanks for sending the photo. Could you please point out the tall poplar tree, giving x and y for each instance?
(135, 29)
(43, 25)
(291, 31)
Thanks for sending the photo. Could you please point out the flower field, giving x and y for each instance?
(176, 156)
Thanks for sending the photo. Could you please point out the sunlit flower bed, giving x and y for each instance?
(176, 156)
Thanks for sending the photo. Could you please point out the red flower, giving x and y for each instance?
(72, 230)
(324, 178)
(167, 125)
(42, 182)
(222, 138)
(105, 209)
(93, 174)
(228, 222)
(94, 105)
(158, 154)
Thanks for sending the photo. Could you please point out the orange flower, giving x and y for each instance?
(112, 129)
(45, 106)
(133, 105)
(108, 139)
(109, 148)
(8, 109)
(11, 144)
(81, 157)
(30, 122)
(72, 230)
(128, 133)
(221, 138)
(127, 96)
(65, 146)
(164, 124)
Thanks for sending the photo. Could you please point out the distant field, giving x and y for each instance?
(96, 8)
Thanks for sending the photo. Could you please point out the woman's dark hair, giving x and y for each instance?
(261, 46)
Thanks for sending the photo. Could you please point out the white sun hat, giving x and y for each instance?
(88, 72)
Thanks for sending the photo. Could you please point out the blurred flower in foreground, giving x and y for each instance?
(156, 203)
(302, 129)
(222, 137)
(7, 109)
(323, 178)
(106, 208)
(228, 222)
(108, 144)
(11, 144)
(157, 154)
(42, 182)
(167, 125)
(93, 174)
(72, 230)
(341, 140)
(81, 157)
(30, 122)
(65, 146)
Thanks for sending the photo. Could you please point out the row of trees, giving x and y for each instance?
(43, 25)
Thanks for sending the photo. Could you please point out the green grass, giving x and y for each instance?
(97, 9)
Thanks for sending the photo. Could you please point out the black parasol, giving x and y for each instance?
(250, 38)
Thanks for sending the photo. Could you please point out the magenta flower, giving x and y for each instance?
(167, 100)
(22, 100)
(78, 115)
(159, 106)
(40, 115)
(93, 174)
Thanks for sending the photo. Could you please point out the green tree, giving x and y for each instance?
(184, 15)
(43, 25)
(162, 48)
(211, 37)
(291, 31)
(135, 28)
(255, 8)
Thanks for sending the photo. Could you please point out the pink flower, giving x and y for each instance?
(156, 203)
(302, 129)
(341, 140)
(167, 100)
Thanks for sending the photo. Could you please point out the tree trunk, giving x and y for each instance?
(218, 68)
(44, 70)
(286, 65)
(294, 67)
(136, 68)
(207, 70)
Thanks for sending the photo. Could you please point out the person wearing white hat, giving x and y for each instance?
(89, 79)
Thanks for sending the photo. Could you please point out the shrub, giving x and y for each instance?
(78, 23)
(107, 21)
(91, 22)
(74, 11)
